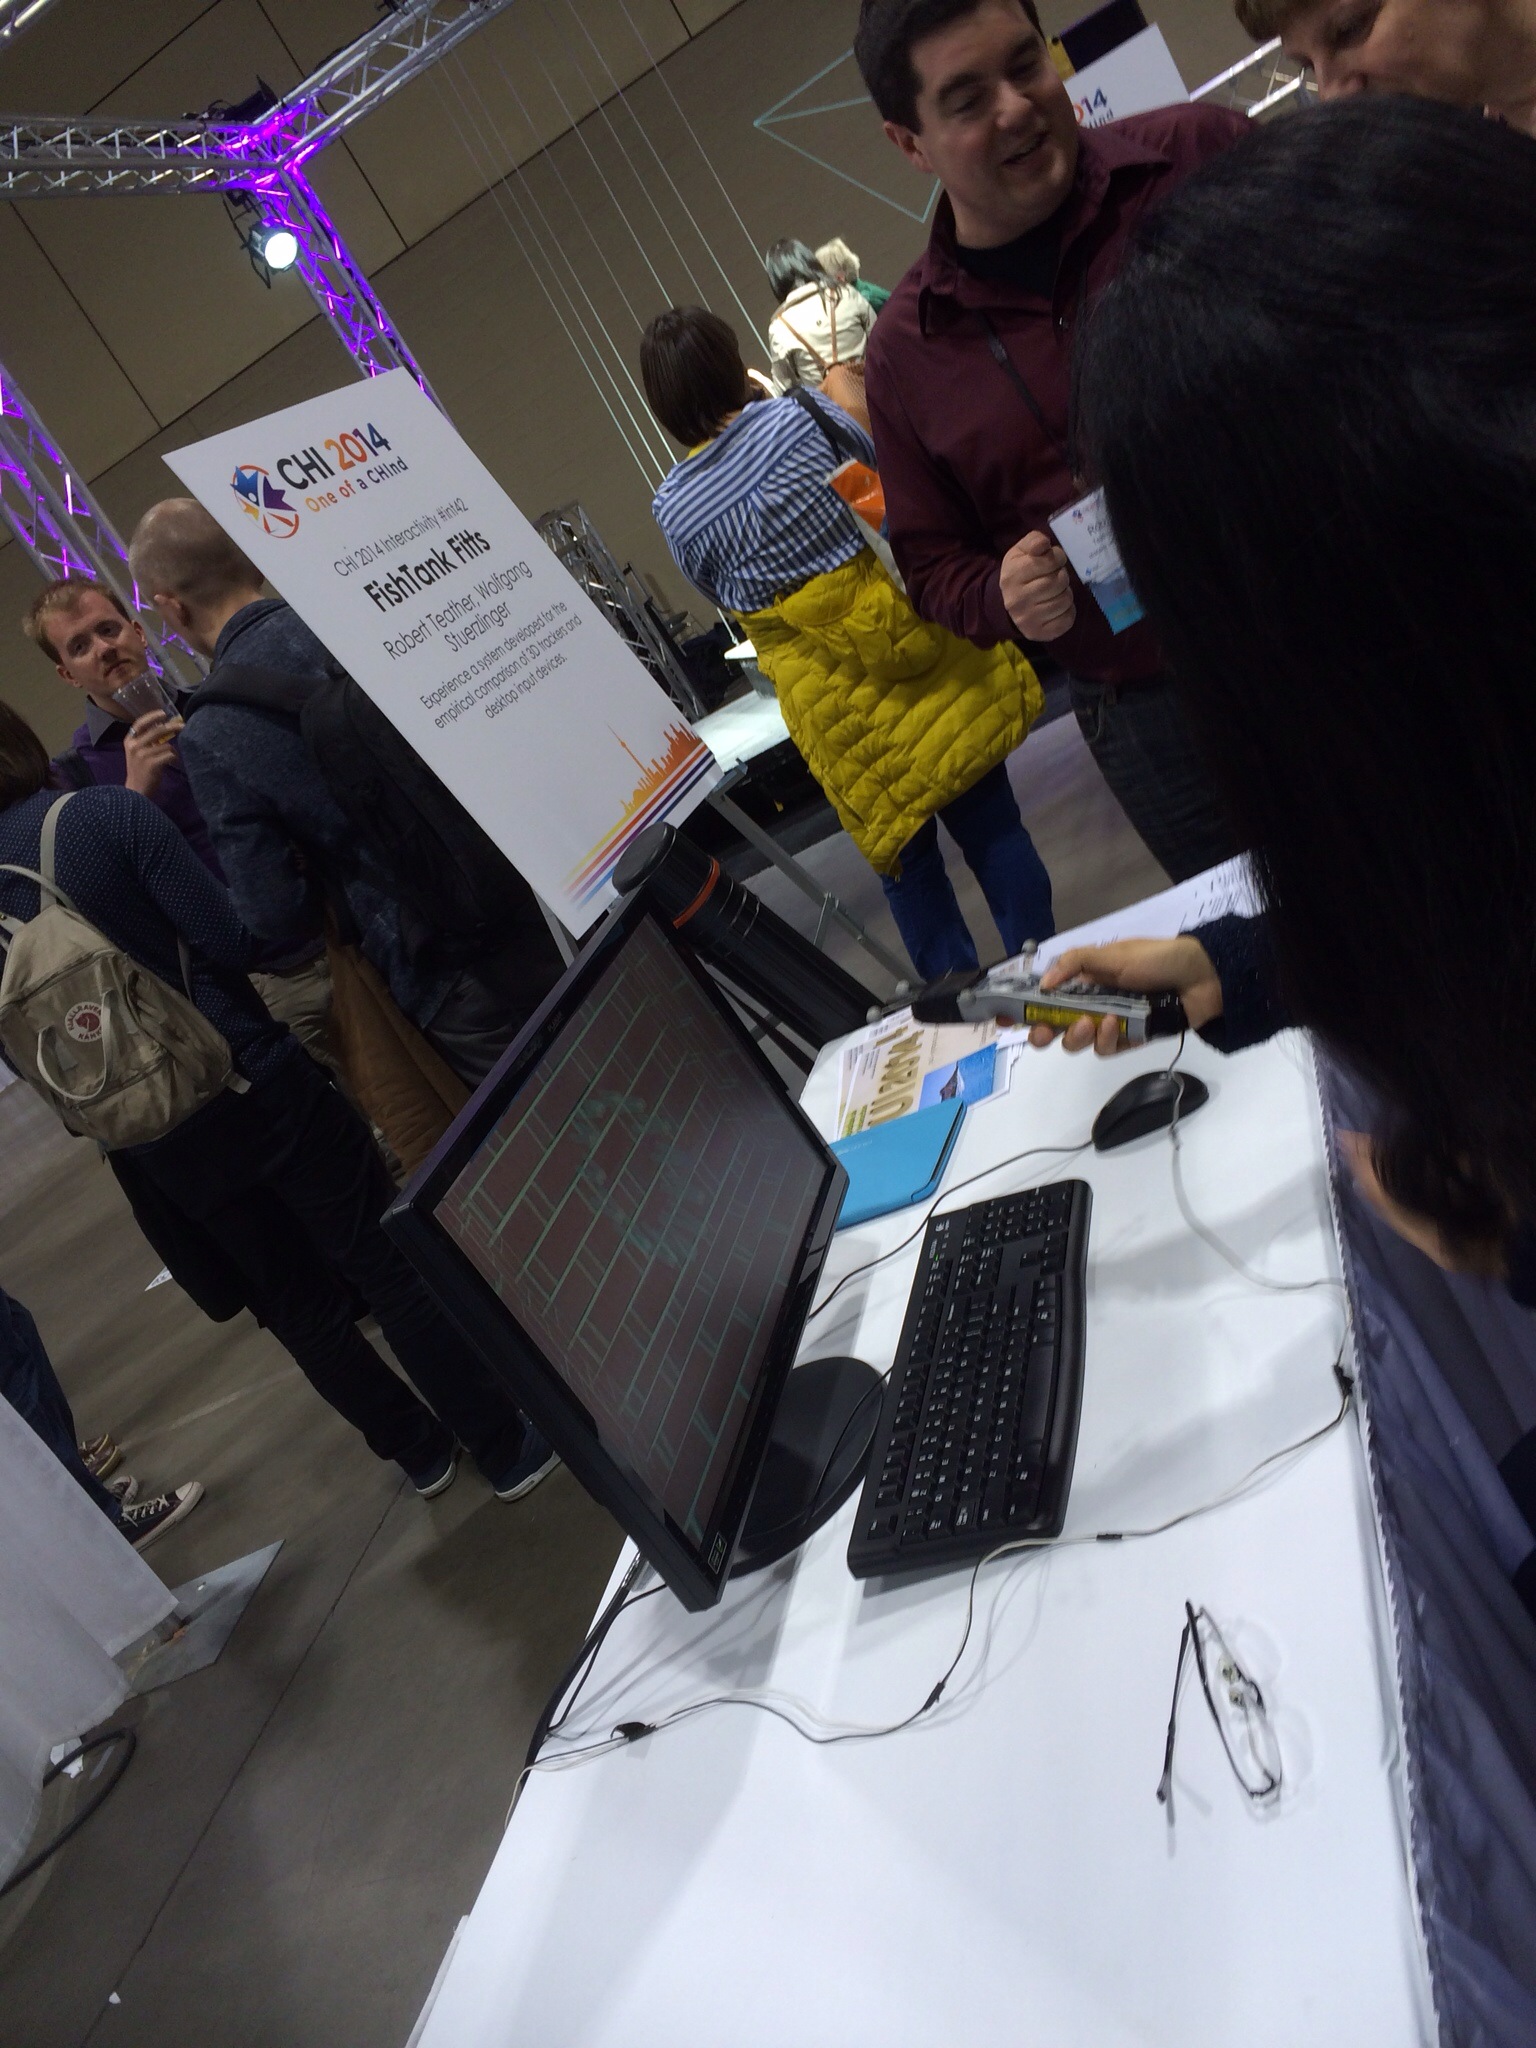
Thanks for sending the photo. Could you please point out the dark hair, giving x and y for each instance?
(694, 378)
(882, 48)
(24, 763)
(59, 600)
(790, 264)
(1310, 394)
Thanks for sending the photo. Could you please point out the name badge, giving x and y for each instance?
(1088, 541)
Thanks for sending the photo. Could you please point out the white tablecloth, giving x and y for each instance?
(1002, 1872)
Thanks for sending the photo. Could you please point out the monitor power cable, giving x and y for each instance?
(799, 1717)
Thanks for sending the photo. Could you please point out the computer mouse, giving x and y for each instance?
(1147, 1104)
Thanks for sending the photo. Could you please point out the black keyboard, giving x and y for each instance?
(978, 1428)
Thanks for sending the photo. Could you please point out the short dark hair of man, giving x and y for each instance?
(888, 29)
(59, 600)
(694, 378)
(791, 264)
(24, 767)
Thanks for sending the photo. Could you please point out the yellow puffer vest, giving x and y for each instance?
(895, 717)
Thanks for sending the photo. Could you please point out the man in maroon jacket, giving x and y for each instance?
(969, 370)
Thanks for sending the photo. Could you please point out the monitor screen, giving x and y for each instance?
(644, 1213)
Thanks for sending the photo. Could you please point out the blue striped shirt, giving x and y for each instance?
(752, 516)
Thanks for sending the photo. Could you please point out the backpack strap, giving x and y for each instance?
(43, 875)
(838, 439)
(47, 840)
(815, 354)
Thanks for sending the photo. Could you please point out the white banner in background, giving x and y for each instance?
(1137, 78)
(396, 545)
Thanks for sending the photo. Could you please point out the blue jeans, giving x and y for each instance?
(29, 1382)
(985, 824)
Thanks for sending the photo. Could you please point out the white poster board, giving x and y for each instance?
(1137, 78)
(396, 545)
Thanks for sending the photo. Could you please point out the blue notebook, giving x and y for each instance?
(897, 1163)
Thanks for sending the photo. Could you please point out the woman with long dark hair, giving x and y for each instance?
(1311, 398)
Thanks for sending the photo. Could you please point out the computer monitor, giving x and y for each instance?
(628, 1223)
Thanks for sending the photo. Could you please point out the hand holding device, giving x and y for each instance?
(1016, 993)
(1179, 967)
(1037, 589)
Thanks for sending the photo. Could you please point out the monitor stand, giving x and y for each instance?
(815, 1458)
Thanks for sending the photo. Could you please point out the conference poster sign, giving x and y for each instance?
(396, 545)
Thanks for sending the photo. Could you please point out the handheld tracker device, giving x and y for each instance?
(1013, 992)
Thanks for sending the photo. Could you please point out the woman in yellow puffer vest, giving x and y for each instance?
(899, 722)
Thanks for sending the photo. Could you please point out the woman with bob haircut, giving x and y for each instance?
(899, 722)
(1311, 398)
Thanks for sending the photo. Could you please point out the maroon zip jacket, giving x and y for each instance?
(967, 469)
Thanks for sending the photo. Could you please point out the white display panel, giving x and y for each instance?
(395, 544)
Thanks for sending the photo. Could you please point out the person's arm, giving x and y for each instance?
(177, 883)
(952, 573)
(781, 358)
(846, 428)
(1222, 972)
(255, 847)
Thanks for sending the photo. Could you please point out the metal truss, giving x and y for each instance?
(581, 550)
(336, 282)
(16, 15)
(59, 523)
(362, 76)
(43, 159)
(1259, 84)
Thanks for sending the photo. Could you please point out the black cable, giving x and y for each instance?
(591, 1664)
(1035, 1151)
(35, 1863)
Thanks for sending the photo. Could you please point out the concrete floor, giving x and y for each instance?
(305, 1822)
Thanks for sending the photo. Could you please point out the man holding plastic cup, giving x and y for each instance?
(129, 737)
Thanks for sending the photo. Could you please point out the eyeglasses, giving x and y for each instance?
(1242, 1721)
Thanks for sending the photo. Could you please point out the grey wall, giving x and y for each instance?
(135, 325)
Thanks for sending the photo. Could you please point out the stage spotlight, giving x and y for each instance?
(278, 248)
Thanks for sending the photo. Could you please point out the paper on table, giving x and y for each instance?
(900, 1066)
(1227, 891)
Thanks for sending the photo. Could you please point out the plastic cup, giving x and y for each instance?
(142, 695)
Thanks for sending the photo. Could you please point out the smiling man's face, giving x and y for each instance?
(98, 649)
(995, 123)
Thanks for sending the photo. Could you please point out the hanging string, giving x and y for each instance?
(642, 455)
(538, 262)
(645, 426)
(650, 198)
(554, 165)
(619, 91)
(757, 254)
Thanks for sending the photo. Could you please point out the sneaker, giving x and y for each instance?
(124, 1489)
(537, 1462)
(100, 1456)
(439, 1477)
(142, 1521)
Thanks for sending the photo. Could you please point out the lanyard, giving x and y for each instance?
(1067, 449)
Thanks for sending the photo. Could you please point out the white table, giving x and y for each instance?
(742, 731)
(1001, 1873)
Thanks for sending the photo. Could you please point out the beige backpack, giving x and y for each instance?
(121, 1057)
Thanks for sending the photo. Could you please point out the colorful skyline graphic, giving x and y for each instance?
(685, 762)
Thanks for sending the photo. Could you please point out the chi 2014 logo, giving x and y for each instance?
(263, 500)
